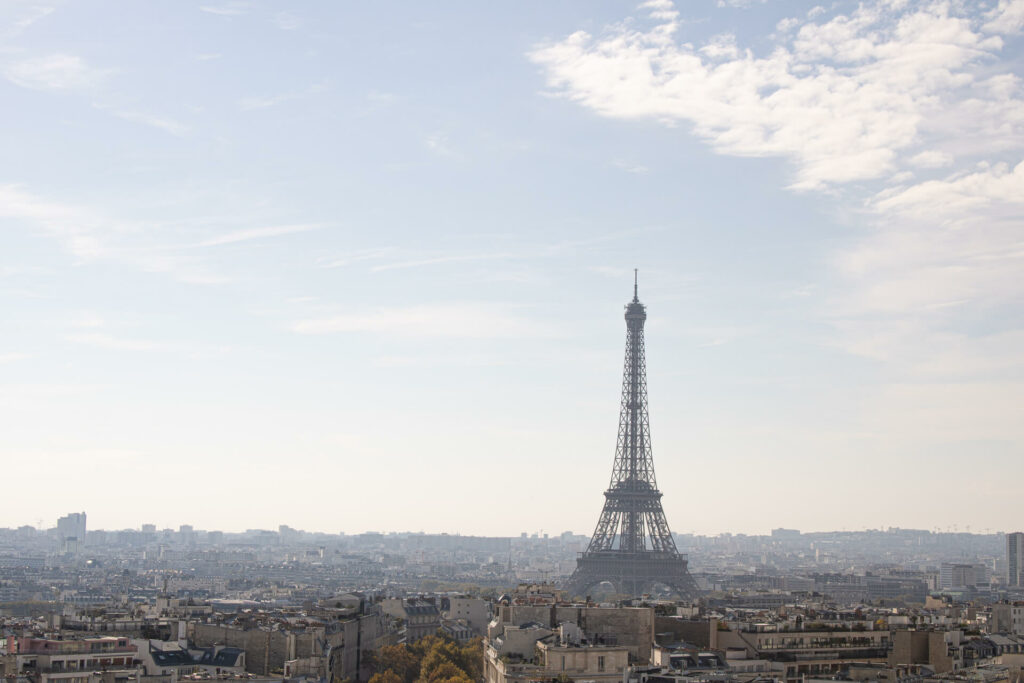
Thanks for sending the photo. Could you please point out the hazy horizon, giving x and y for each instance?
(552, 534)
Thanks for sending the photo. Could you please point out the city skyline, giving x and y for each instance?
(43, 526)
(327, 265)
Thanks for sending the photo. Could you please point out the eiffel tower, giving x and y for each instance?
(632, 547)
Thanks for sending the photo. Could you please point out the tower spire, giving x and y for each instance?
(636, 299)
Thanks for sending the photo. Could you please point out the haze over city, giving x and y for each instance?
(362, 267)
(522, 342)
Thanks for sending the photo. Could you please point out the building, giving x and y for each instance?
(420, 618)
(266, 648)
(953, 575)
(1015, 559)
(936, 649)
(350, 638)
(531, 652)
(457, 631)
(795, 654)
(1008, 617)
(785, 534)
(71, 532)
(475, 612)
(82, 660)
(629, 627)
(172, 662)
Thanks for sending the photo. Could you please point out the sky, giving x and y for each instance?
(362, 266)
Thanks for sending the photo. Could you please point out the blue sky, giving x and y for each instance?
(351, 267)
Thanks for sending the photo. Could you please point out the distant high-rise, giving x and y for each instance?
(71, 531)
(632, 547)
(1015, 559)
(72, 525)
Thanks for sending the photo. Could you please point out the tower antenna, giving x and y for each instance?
(635, 297)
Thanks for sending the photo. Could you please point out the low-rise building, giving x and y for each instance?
(172, 661)
(474, 612)
(530, 652)
(1008, 617)
(420, 618)
(81, 660)
(629, 627)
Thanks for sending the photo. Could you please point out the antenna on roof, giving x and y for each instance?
(634, 285)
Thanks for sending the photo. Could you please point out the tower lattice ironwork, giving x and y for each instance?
(632, 547)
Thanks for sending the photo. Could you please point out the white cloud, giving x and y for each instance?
(229, 9)
(12, 357)
(451, 360)
(631, 168)
(438, 260)
(86, 320)
(264, 101)
(953, 198)
(475, 321)
(357, 256)
(1007, 17)
(55, 72)
(259, 233)
(721, 47)
(739, 3)
(382, 98)
(931, 158)
(267, 101)
(163, 123)
(438, 144)
(29, 16)
(110, 342)
(844, 100)
(942, 252)
(851, 97)
(286, 21)
(787, 24)
(62, 72)
(72, 225)
(91, 235)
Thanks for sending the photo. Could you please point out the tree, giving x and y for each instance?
(438, 651)
(444, 671)
(399, 660)
(388, 676)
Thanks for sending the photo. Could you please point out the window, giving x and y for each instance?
(600, 662)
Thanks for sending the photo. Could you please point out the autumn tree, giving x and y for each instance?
(434, 659)
(400, 660)
(443, 671)
(441, 651)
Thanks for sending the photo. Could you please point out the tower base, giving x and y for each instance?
(632, 573)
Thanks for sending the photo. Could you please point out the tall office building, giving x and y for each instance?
(1015, 559)
(72, 525)
(71, 531)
